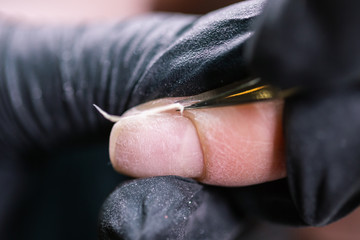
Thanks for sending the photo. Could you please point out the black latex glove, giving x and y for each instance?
(51, 75)
(168, 208)
(320, 125)
(315, 45)
(176, 208)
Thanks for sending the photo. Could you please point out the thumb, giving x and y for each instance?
(230, 146)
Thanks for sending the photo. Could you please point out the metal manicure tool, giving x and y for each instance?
(248, 91)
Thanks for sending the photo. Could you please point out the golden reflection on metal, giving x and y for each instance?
(246, 92)
(265, 95)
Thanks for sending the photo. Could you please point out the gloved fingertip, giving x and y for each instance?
(167, 207)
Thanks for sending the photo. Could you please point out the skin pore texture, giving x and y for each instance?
(227, 146)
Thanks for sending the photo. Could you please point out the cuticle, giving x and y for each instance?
(187, 114)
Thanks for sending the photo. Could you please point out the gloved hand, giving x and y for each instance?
(48, 99)
(314, 45)
(169, 208)
(322, 187)
(51, 75)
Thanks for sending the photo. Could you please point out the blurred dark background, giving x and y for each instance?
(64, 191)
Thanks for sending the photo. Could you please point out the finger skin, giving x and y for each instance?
(233, 146)
(157, 145)
(242, 145)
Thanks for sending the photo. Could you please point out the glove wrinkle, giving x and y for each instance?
(51, 76)
(207, 55)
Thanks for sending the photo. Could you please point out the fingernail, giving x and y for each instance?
(155, 145)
